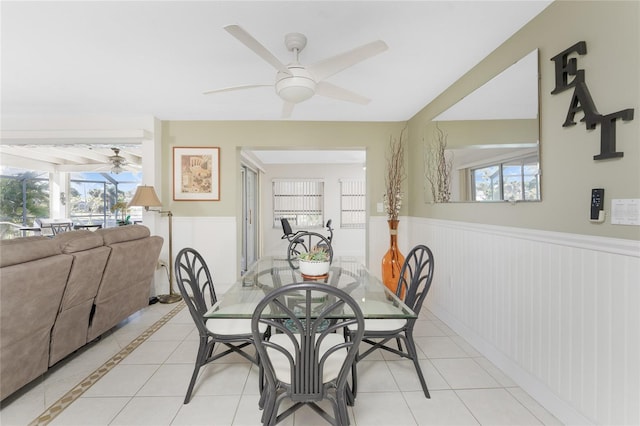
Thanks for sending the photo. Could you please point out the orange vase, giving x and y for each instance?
(393, 260)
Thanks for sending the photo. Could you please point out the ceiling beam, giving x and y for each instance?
(38, 155)
(48, 137)
(20, 162)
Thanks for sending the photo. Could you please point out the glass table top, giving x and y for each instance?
(269, 273)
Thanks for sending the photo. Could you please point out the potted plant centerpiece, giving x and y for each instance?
(315, 262)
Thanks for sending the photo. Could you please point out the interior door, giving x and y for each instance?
(249, 217)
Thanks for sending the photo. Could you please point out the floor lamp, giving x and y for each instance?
(146, 197)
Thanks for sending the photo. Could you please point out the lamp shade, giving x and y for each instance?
(145, 196)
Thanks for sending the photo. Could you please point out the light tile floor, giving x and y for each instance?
(148, 385)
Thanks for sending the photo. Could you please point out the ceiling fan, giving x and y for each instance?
(117, 161)
(295, 82)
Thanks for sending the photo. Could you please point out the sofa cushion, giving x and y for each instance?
(123, 233)
(75, 241)
(31, 248)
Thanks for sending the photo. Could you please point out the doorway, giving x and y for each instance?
(333, 167)
(249, 217)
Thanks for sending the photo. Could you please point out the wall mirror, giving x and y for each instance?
(493, 138)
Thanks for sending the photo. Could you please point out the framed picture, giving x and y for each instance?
(196, 174)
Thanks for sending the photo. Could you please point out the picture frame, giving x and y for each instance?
(196, 173)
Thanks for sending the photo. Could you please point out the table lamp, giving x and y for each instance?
(146, 197)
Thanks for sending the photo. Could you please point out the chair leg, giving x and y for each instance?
(351, 391)
(342, 413)
(275, 407)
(203, 350)
(354, 382)
(411, 348)
(261, 386)
(268, 401)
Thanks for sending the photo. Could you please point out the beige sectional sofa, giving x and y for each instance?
(57, 294)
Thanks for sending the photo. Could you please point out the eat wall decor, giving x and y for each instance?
(582, 101)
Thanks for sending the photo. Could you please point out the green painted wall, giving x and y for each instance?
(231, 136)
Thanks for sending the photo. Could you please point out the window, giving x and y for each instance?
(24, 196)
(92, 197)
(352, 203)
(511, 180)
(301, 201)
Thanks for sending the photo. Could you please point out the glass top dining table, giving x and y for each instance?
(268, 273)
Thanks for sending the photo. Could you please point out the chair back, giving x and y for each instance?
(58, 228)
(306, 241)
(195, 284)
(286, 228)
(415, 277)
(307, 347)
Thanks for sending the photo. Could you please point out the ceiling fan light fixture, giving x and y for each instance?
(295, 87)
(295, 94)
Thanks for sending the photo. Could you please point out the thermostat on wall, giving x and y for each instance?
(597, 205)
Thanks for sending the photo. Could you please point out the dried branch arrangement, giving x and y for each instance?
(438, 167)
(396, 174)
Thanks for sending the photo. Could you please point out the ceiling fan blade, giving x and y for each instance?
(253, 44)
(335, 64)
(287, 109)
(330, 90)
(231, 89)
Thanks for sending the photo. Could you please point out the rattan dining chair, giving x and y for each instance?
(415, 280)
(307, 359)
(198, 292)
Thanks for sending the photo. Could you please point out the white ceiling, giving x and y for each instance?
(156, 58)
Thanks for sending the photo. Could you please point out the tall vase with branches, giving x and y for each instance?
(394, 177)
(438, 167)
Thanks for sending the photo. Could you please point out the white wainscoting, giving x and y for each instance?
(214, 237)
(559, 313)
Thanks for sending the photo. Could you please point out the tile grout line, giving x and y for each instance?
(68, 398)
